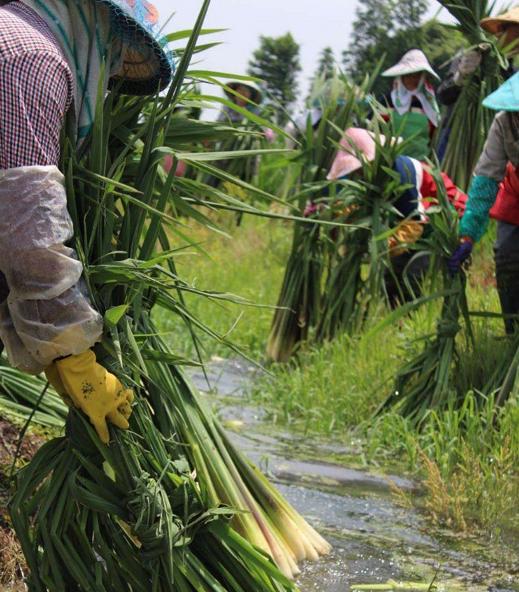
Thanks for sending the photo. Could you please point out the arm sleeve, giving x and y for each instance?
(46, 313)
(482, 195)
(490, 171)
(35, 94)
(48, 307)
(493, 160)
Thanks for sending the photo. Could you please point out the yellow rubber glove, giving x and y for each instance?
(94, 390)
(406, 233)
(52, 374)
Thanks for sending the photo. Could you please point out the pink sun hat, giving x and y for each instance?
(355, 143)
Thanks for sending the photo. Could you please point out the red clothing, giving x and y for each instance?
(506, 206)
(429, 191)
(36, 89)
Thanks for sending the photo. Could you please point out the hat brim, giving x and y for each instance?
(494, 25)
(256, 92)
(506, 97)
(342, 167)
(398, 70)
(346, 163)
(151, 66)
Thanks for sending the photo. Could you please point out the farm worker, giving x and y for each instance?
(506, 28)
(412, 104)
(494, 192)
(246, 95)
(52, 55)
(358, 147)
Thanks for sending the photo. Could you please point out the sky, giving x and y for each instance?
(246, 20)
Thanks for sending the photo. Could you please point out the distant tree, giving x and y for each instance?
(441, 43)
(326, 65)
(373, 26)
(408, 14)
(276, 62)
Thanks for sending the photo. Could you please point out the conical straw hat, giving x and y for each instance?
(413, 61)
(506, 97)
(496, 24)
(256, 94)
(147, 63)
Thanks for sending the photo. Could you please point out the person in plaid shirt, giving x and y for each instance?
(51, 58)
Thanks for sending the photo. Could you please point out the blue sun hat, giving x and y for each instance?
(506, 97)
(147, 62)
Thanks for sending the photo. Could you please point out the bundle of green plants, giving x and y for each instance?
(470, 122)
(425, 382)
(341, 104)
(359, 255)
(23, 396)
(170, 504)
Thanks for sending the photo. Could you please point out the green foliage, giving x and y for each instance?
(383, 28)
(326, 65)
(308, 268)
(276, 62)
(373, 25)
(334, 389)
(440, 43)
(153, 510)
(248, 262)
(468, 457)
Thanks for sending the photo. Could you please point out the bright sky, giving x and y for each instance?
(246, 20)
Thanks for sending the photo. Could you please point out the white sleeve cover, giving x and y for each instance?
(49, 309)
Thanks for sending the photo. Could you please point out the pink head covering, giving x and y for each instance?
(355, 142)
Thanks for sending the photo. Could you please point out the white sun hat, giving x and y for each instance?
(413, 61)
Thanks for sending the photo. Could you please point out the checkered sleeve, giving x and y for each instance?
(35, 93)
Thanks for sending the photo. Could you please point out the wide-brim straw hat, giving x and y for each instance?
(506, 97)
(496, 24)
(412, 62)
(256, 94)
(356, 143)
(147, 62)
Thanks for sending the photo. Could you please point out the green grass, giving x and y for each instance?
(248, 264)
(334, 387)
(469, 461)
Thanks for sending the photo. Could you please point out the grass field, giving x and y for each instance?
(469, 460)
(248, 263)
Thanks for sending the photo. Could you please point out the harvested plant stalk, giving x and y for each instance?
(470, 122)
(170, 504)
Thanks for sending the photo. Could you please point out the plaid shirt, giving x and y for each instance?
(36, 89)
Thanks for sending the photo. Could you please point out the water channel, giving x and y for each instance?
(375, 540)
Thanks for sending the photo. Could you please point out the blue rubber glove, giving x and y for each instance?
(460, 255)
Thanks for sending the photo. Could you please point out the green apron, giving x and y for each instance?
(416, 126)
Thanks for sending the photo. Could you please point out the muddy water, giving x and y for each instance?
(374, 539)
